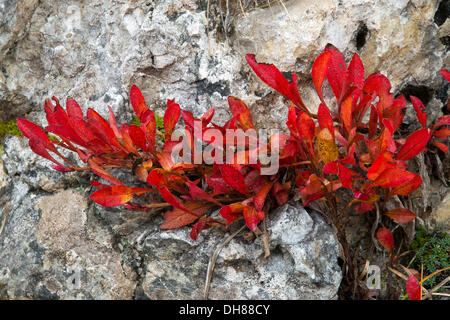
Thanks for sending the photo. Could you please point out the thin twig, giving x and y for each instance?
(441, 284)
(374, 228)
(265, 237)
(212, 261)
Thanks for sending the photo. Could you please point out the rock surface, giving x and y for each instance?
(302, 264)
(95, 50)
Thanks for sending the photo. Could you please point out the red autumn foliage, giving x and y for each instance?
(353, 143)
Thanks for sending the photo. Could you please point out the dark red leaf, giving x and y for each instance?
(233, 178)
(401, 215)
(386, 239)
(177, 217)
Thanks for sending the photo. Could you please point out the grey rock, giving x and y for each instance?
(46, 251)
(95, 50)
(302, 264)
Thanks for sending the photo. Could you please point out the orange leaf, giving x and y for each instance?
(346, 113)
(111, 196)
(252, 217)
(393, 177)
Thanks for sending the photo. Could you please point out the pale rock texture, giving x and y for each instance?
(48, 251)
(302, 264)
(95, 50)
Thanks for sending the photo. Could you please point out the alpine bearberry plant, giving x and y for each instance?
(352, 143)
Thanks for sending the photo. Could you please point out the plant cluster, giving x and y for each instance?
(351, 143)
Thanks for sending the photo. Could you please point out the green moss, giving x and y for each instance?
(9, 127)
(433, 251)
(159, 122)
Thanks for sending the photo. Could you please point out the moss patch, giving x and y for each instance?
(9, 127)
(433, 251)
(159, 122)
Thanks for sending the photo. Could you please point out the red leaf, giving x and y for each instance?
(173, 200)
(233, 178)
(442, 133)
(73, 109)
(325, 119)
(443, 121)
(98, 170)
(240, 110)
(379, 84)
(420, 108)
(356, 74)
(413, 288)
(101, 128)
(337, 72)
(319, 71)
(177, 217)
(200, 225)
(393, 177)
(380, 164)
(232, 212)
(406, 188)
(415, 144)
(148, 125)
(271, 76)
(386, 239)
(157, 178)
(441, 146)
(306, 129)
(40, 149)
(171, 117)
(198, 193)
(252, 217)
(137, 101)
(207, 116)
(113, 124)
(401, 215)
(34, 132)
(260, 196)
(126, 139)
(112, 196)
(445, 73)
(138, 137)
(346, 113)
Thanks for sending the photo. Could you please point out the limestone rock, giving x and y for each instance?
(440, 216)
(302, 264)
(47, 253)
